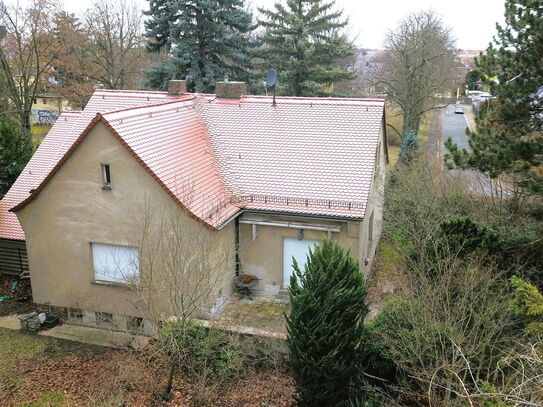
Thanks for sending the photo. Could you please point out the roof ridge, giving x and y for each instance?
(169, 102)
(159, 92)
(313, 98)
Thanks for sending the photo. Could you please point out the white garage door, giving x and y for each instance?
(299, 249)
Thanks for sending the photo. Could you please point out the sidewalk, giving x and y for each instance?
(83, 334)
(470, 119)
(10, 322)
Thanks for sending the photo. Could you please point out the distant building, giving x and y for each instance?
(47, 107)
(467, 57)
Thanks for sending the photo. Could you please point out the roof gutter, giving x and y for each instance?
(292, 225)
(305, 215)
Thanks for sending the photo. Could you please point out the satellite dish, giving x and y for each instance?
(271, 77)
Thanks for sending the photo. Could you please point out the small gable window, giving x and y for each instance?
(106, 176)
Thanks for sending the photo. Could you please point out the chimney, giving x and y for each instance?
(177, 87)
(230, 90)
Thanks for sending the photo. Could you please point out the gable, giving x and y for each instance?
(73, 199)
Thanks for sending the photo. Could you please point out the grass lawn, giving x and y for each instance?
(393, 154)
(38, 371)
(40, 129)
(22, 355)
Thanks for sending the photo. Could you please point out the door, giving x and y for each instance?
(299, 249)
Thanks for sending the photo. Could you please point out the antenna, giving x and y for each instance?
(271, 80)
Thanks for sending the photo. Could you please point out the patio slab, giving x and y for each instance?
(258, 314)
(93, 336)
(10, 322)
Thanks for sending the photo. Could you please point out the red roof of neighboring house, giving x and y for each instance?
(311, 156)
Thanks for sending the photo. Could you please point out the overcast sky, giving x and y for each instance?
(473, 21)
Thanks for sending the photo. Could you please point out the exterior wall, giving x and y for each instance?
(263, 257)
(73, 210)
(45, 110)
(375, 207)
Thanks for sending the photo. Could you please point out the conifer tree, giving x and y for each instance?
(304, 41)
(509, 136)
(15, 151)
(209, 39)
(162, 13)
(409, 147)
(325, 325)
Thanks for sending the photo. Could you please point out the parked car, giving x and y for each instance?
(458, 109)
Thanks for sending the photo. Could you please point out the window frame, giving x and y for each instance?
(98, 275)
(106, 176)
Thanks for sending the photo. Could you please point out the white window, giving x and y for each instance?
(117, 264)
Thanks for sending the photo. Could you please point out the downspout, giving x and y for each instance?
(238, 264)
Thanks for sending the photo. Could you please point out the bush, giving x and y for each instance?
(201, 351)
(417, 340)
(527, 304)
(325, 326)
(398, 324)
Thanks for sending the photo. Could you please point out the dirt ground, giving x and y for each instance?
(38, 371)
(12, 305)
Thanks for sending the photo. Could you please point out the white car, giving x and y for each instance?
(458, 109)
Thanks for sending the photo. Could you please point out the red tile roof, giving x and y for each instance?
(216, 157)
(306, 155)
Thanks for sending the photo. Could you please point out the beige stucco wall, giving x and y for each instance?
(73, 210)
(375, 206)
(263, 257)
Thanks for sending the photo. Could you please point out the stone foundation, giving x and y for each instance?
(103, 320)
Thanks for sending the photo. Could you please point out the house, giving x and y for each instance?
(269, 179)
(47, 107)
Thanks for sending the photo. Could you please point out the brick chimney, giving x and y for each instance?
(230, 90)
(177, 87)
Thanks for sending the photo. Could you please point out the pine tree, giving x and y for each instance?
(209, 39)
(15, 151)
(162, 14)
(325, 325)
(304, 42)
(509, 137)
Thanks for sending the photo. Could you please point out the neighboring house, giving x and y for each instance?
(47, 107)
(270, 179)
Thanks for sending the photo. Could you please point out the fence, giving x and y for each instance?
(13, 257)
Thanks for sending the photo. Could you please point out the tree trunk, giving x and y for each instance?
(25, 120)
(166, 394)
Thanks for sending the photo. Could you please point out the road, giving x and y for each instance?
(454, 126)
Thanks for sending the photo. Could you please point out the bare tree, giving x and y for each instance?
(186, 274)
(117, 52)
(27, 53)
(73, 66)
(418, 66)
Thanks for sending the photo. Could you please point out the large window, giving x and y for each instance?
(116, 264)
